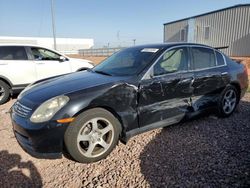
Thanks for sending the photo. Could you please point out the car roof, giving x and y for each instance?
(159, 45)
(18, 44)
(171, 44)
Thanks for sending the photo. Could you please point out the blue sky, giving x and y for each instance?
(115, 22)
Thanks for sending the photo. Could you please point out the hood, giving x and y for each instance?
(79, 60)
(62, 85)
(78, 63)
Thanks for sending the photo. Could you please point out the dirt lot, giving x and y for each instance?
(95, 60)
(245, 61)
(206, 152)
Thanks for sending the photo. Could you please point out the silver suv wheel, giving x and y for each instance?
(2, 92)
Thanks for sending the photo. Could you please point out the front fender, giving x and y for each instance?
(120, 98)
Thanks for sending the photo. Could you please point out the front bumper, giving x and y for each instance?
(40, 140)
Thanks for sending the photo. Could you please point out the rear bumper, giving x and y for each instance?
(43, 140)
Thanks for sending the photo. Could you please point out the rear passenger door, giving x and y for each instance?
(15, 65)
(208, 75)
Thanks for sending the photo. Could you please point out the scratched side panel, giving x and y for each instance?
(121, 97)
(208, 85)
(164, 97)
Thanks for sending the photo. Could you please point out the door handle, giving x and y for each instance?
(187, 80)
(40, 63)
(224, 73)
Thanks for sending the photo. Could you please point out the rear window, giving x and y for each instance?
(220, 59)
(203, 58)
(13, 53)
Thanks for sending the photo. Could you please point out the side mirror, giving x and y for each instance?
(62, 59)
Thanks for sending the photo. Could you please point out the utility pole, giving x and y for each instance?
(53, 23)
(134, 41)
(118, 38)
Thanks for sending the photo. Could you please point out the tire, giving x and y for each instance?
(4, 92)
(228, 101)
(92, 135)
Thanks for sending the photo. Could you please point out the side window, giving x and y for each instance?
(13, 53)
(44, 54)
(172, 61)
(202, 58)
(220, 59)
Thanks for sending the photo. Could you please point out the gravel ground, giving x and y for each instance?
(206, 152)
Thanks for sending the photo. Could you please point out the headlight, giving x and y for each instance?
(48, 109)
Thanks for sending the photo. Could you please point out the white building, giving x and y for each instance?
(64, 45)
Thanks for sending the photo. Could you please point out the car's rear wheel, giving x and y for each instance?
(228, 101)
(92, 135)
(4, 92)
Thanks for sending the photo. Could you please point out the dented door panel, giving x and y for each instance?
(164, 97)
(208, 85)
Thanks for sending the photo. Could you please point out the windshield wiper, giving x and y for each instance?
(102, 72)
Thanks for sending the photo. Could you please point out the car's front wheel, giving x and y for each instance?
(228, 101)
(92, 135)
(4, 92)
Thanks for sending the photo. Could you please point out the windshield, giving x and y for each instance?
(127, 62)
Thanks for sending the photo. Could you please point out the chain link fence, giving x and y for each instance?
(99, 51)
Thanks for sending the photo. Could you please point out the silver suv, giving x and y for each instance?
(21, 65)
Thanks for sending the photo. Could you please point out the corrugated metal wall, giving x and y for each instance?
(173, 31)
(229, 27)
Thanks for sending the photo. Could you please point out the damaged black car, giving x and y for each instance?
(137, 89)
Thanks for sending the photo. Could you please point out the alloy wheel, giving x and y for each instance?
(95, 137)
(229, 101)
(2, 92)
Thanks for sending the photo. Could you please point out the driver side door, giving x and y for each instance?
(165, 96)
(48, 63)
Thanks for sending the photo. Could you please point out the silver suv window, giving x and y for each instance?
(44, 54)
(13, 53)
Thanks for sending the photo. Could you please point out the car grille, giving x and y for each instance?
(21, 110)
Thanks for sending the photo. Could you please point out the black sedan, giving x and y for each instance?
(138, 89)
